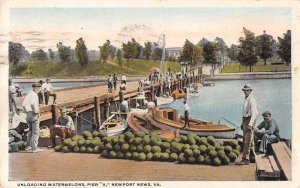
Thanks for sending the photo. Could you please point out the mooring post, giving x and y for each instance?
(152, 93)
(121, 96)
(76, 122)
(97, 112)
(106, 106)
(161, 88)
(55, 113)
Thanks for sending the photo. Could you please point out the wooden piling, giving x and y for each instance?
(107, 107)
(97, 112)
(55, 113)
(152, 92)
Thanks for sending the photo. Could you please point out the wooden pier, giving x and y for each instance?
(87, 98)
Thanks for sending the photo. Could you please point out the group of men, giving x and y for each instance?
(112, 82)
(267, 131)
(46, 91)
(26, 121)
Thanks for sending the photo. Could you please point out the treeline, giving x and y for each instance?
(247, 52)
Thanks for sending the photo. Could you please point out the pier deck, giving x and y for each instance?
(49, 165)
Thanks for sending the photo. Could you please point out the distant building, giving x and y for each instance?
(173, 52)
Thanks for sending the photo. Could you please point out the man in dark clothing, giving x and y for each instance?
(115, 79)
(267, 131)
(41, 94)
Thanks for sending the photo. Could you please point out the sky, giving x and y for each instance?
(43, 28)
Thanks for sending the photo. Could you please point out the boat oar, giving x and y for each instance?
(237, 134)
(230, 122)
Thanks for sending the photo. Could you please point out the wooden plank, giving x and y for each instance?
(265, 168)
(283, 160)
(274, 166)
(287, 149)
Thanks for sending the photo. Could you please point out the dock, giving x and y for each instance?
(277, 165)
(86, 98)
(49, 165)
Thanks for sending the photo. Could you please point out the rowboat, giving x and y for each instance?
(115, 124)
(178, 93)
(194, 90)
(169, 119)
(139, 121)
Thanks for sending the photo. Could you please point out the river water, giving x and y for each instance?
(225, 100)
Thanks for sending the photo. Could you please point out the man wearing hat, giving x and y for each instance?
(13, 93)
(250, 112)
(19, 122)
(267, 131)
(64, 127)
(48, 91)
(31, 106)
(41, 93)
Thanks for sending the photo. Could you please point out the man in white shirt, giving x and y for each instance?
(19, 122)
(123, 79)
(48, 91)
(250, 113)
(186, 114)
(31, 106)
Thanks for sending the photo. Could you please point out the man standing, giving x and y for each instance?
(13, 93)
(186, 114)
(250, 112)
(267, 131)
(115, 79)
(109, 83)
(123, 79)
(41, 94)
(48, 91)
(64, 127)
(31, 106)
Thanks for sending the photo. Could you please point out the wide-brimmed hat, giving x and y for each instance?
(63, 109)
(266, 113)
(247, 87)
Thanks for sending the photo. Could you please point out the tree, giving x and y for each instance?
(157, 52)
(197, 55)
(147, 50)
(265, 46)
(202, 42)
(113, 51)
(130, 50)
(39, 55)
(16, 52)
(120, 57)
(284, 47)
(247, 55)
(187, 52)
(105, 51)
(221, 48)
(64, 52)
(81, 52)
(209, 53)
(232, 52)
(51, 54)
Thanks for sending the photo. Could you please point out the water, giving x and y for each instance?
(58, 85)
(226, 100)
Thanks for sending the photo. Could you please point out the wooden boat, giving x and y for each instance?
(208, 84)
(115, 124)
(139, 121)
(169, 119)
(178, 93)
(194, 90)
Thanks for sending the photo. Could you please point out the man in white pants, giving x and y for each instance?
(31, 106)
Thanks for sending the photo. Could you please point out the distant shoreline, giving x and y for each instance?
(250, 76)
